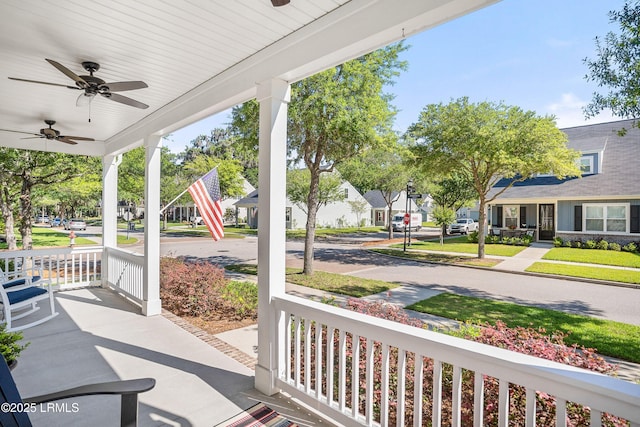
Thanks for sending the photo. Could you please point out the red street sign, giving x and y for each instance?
(406, 219)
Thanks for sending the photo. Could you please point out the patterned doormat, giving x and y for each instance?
(256, 416)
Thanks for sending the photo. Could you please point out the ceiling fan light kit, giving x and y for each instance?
(278, 3)
(92, 85)
(52, 134)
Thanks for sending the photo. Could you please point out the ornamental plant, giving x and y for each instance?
(10, 346)
(200, 289)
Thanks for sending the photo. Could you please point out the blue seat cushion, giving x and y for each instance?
(25, 294)
(19, 282)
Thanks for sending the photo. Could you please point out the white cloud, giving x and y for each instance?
(569, 112)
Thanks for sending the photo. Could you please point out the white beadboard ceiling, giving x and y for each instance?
(198, 57)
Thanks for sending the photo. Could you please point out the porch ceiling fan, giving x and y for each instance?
(92, 86)
(51, 133)
(277, 3)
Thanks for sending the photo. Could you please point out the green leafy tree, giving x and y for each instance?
(359, 207)
(453, 193)
(298, 189)
(333, 116)
(224, 144)
(172, 182)
(443, 216)
(229, 173)
(24, 171)
(131, 174)
(487, 142)
(617, 65)
(382, 169)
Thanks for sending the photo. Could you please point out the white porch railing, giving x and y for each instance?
(125, 272)
(75, 267)
(64, 267)
(409, 376)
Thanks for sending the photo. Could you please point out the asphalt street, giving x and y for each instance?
(610, 302)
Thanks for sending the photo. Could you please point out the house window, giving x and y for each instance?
(346, 193)
(379, 216)
(586, 165)
(287, 215)
(610, 218)
(510, 214)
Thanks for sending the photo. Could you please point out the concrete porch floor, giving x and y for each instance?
(99, 336)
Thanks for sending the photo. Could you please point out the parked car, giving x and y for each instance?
(42, 219)
(463, 226)
(55, 222)
(197, 220)
(397, 223)
(75, 224)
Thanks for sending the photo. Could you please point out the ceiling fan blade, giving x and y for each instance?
(66, 140)
(122, 86)
(79, 138)
(124, 100)
(19, 131)
(43, 83)
(84, 99)
(34, 137)
(67, 72)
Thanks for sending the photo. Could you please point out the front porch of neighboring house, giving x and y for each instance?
(100, 335)
(516, 219)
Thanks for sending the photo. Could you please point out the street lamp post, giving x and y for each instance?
(406, 212)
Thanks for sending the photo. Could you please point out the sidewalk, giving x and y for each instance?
(246, 340)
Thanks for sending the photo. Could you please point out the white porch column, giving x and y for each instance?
(273, 96)
(151, 304)
(110, 165)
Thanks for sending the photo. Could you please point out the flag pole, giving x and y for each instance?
(171, 202)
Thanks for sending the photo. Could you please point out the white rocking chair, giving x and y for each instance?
(20, 298)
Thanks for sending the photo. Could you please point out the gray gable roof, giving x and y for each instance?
(618, 177)
(375, 199)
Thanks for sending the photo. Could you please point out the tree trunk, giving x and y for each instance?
(442, 233)
(9, 222)
(26, 212)
(389, 221)
(481, 222)
(312, 206)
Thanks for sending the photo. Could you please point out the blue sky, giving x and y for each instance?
(527, 53)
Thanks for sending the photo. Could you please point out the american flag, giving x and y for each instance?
(205, 193)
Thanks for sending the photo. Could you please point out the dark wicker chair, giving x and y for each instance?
(11, 402)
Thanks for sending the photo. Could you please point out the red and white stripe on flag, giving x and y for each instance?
(205, 193)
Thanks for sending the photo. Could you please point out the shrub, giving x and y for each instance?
(590, 244)
(630, 247)
(523, 340)
(9, 346)
(242, 298)
(191, 288)
(576, 244)
(473, 237)
(557, 242)
(568, 243)
(614, 247)
(602, 244)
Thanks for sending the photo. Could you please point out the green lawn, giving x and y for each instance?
(43, 237)
(300, 233)
(601, 273)
(594, 256)
(462, 245)
(436, 257)
(607, 337)
(330, 282)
